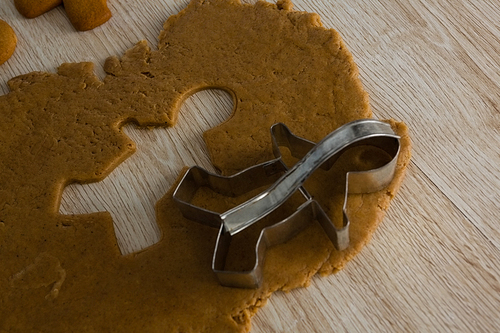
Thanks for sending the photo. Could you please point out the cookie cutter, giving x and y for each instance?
(284, 183)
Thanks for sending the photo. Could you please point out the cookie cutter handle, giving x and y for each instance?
(332, 146)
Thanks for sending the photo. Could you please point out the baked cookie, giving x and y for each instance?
(8, 41)
(87, 14)
(65, 273)
(83, 14)
(34, 8)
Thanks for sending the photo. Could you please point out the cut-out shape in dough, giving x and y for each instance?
(131, 191)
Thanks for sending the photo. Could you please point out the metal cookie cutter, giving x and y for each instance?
(285, 182)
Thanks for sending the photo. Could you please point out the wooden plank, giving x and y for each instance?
(435, 66)
(427, 269)
(49, 40)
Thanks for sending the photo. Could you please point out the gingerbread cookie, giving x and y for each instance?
(65, 273)
(87, 14)
(8, 41)
(83, 14)
(34, 8)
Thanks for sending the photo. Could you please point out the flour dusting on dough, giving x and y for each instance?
(46, 270)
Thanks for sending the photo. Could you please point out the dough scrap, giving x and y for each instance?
(55, 129)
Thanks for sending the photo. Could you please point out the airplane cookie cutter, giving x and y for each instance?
(284, 183)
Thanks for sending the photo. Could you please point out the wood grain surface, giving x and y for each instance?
(434, 264)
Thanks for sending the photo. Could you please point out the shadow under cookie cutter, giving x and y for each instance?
(285, 182)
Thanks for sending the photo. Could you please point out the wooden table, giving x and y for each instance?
(434, 264)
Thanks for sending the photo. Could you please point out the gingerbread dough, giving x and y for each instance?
(65, 273)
